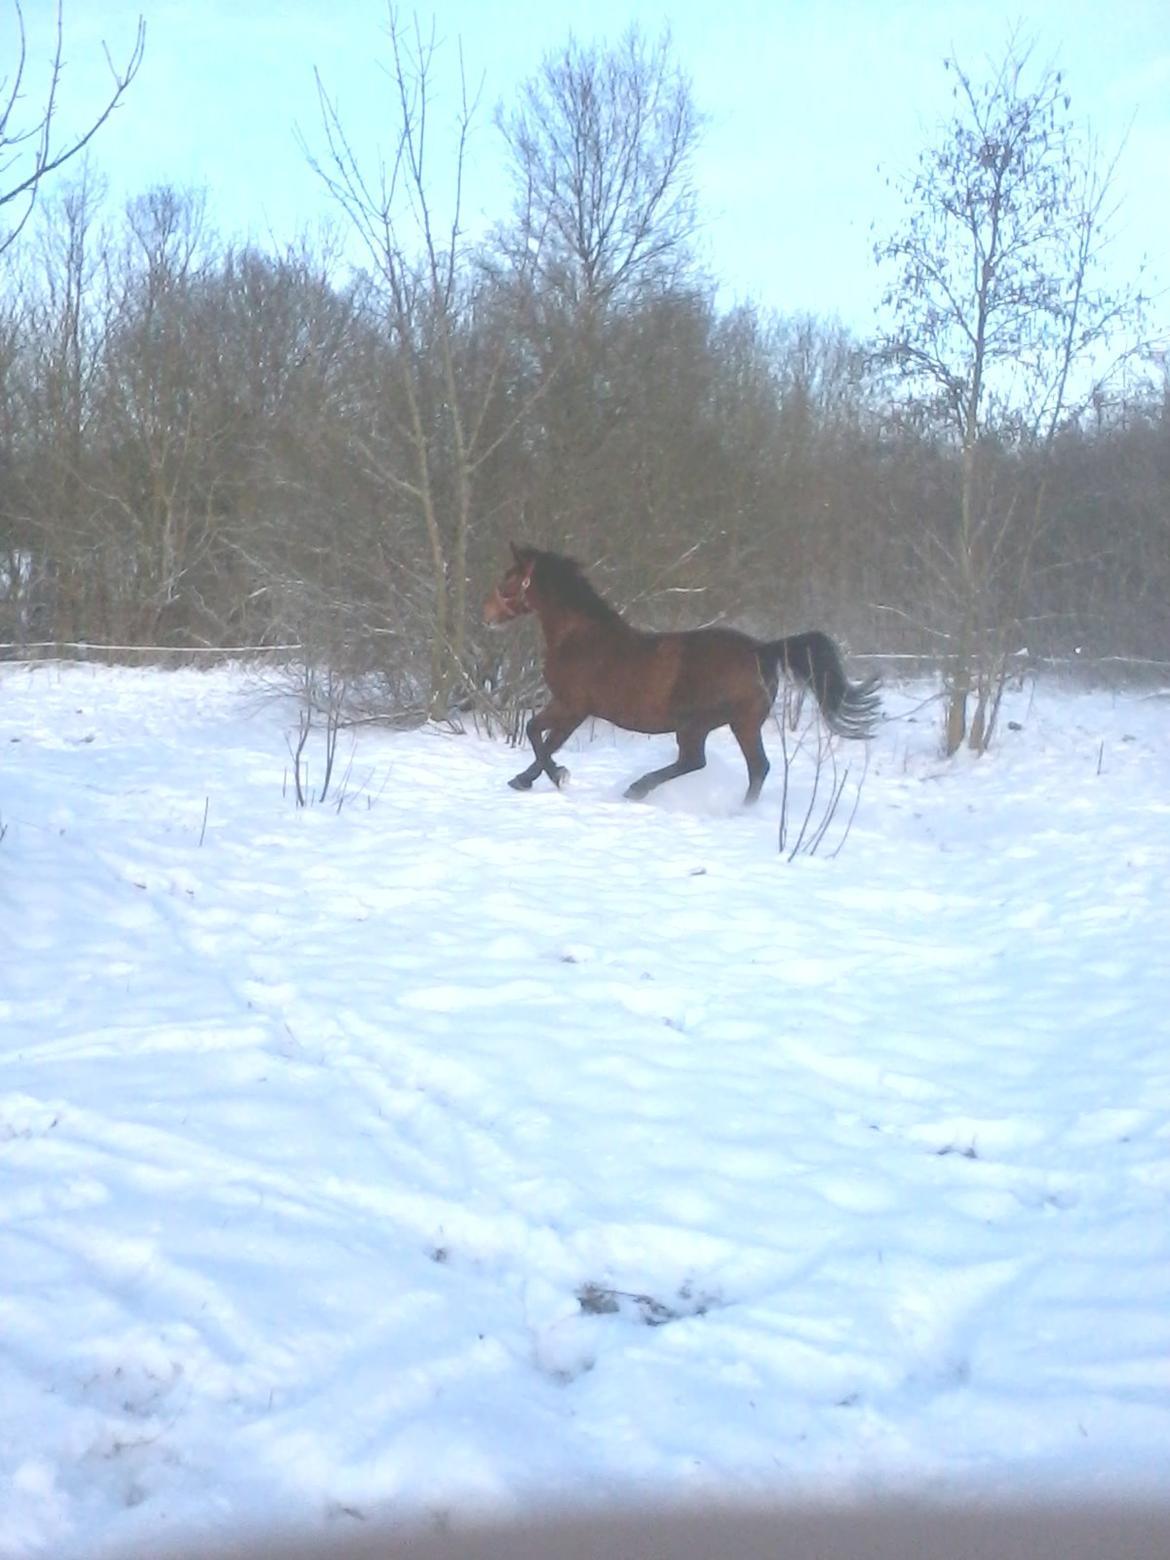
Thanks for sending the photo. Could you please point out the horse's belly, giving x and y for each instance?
(650, 723)
(638, 707)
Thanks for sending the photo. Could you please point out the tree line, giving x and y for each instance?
(207, 444)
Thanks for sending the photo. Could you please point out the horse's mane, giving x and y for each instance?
(564, 578)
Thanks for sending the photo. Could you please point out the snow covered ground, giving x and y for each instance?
(463, 1150)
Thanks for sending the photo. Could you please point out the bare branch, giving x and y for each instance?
(46, 153)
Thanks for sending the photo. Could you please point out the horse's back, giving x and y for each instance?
(655, 683)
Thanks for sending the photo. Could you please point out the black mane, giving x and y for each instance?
(564, 578)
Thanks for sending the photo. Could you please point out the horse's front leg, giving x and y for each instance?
(546, 731)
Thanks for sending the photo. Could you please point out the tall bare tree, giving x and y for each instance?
(436, 433)
(68, 318)
(1003, 330)
(602, 145)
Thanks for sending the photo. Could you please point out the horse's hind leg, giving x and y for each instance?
(692, 755)
(559, 728)
(747, 732)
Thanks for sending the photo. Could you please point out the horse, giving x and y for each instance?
(689, 682)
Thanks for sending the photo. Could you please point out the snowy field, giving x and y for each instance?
(466, 1151)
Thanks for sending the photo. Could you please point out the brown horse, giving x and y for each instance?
(691, 683)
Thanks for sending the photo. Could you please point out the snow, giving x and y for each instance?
(459, 1151)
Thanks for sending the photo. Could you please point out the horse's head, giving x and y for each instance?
(511, 598)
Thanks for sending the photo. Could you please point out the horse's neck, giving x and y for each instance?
(560, 624)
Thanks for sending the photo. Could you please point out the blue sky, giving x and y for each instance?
(810, 108)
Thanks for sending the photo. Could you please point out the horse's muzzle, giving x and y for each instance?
(497, 610)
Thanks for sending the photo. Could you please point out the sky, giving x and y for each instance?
(812, 110)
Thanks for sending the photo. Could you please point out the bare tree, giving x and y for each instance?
(67, 320)
(437, 431)
(1003, 332)
(601, 147)
(161, 467)
(33, 148)
(600, 142)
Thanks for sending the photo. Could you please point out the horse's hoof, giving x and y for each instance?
(635, 793)
(560, 776)
(520, 783)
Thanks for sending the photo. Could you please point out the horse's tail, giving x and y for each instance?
(849, 709)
